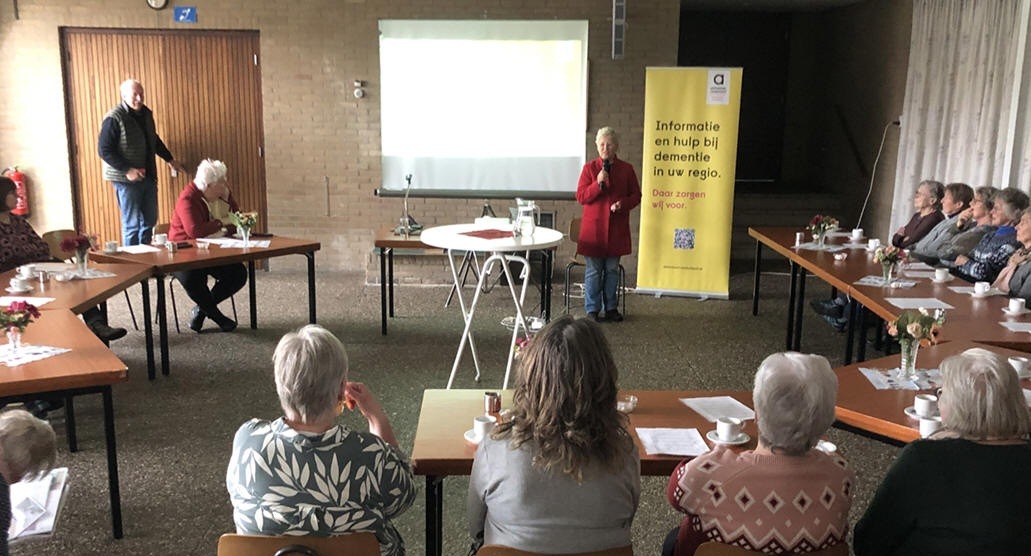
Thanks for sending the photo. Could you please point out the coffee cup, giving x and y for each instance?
(1019, 364)
(941, 274)
(929, 426)
(482, 425)
(728, 428)
(21, 283)
(873, 243)
(110, 246)
(1016, 305)
(857, 234)
(981, 288)
(925, 405)
(27, 271)
(160, 239)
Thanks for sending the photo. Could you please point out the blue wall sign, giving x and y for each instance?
(185, 14)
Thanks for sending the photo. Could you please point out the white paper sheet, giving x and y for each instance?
(36, 504)
(37, 301)
(969, 290)
(929, 274)
(137, 249)
(918, 303)
(714, 407)
(918, 266)
(93, 274)
(1017, 326)
(672, 442)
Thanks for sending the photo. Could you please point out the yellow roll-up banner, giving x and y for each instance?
(687, 180)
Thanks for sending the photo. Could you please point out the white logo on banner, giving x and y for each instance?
(719, 87)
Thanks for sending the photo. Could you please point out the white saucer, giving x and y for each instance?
(1023, 311)
(470, 437)
(13, 289)
(981, 295)
(937, 281)
(911, 413)
(741, 439)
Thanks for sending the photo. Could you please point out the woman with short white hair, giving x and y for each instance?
(966, 489)
(28, 449)
(785, 496)
(201, 211)
(306, 474)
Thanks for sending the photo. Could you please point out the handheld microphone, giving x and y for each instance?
(607, 165)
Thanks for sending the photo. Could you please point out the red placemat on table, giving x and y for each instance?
(488, 234)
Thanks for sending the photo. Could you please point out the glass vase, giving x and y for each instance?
(245, 233)
(888, 273)
(908, 349)
(821, 239)
(81, 262)
(13, 339)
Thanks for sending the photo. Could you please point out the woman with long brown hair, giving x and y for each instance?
(562, 475)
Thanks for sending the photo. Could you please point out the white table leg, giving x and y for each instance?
(520, 319)
(467, 316)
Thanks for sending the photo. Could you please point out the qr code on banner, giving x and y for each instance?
(683, 238)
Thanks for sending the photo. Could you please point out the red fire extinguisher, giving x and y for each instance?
(22, 209)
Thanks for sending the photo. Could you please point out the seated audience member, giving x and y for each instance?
(987, 259)
(966, 490)
(193, 219)
(1015, 278)
(323, 478)
(20, 244)
(927, 202)
(956, 200)
(562, 475)
(971, 225)
(784, 496)
(28, 448)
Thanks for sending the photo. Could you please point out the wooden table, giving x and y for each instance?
(386, 242)
(164, 262)
(79, 295)
(440, 450)
(880, 414)
(89, 368)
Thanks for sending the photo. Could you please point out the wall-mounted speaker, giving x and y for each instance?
(618, 28)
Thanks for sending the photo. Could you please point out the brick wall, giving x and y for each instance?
(316, 133)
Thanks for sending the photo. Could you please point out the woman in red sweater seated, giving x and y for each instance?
(783, 497)
(197, 212)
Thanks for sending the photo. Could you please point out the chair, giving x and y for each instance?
(53, 239)
(355, 544)
(163, 229)
(719, 549)
(497, 550)
(575, 260)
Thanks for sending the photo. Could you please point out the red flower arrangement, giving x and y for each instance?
(18, 315)
(79, 243)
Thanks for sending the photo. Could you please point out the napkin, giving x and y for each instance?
(714, 407)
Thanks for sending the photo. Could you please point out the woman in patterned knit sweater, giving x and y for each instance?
(784, 496)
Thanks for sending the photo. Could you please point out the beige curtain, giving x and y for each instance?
(960, 96)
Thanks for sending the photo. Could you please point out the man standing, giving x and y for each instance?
(127, 144)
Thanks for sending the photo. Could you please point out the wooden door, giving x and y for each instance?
(204, 88)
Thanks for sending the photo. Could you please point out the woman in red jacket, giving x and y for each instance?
(197, 215)
(608, 190)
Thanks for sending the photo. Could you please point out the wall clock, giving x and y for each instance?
(157, 4)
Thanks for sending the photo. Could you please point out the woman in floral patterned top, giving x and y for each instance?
(304, 474)
(19, 243)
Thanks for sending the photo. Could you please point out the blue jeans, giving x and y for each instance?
(601, 280)
(138, 203)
